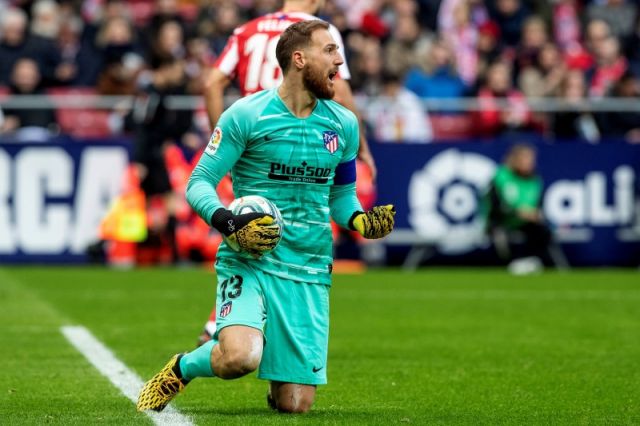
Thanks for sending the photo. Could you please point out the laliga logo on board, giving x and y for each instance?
(443, 199)
(596, 200)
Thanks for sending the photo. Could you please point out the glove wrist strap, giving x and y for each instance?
(222, 221)
(352, 218)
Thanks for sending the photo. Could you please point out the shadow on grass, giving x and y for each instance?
(321, 415)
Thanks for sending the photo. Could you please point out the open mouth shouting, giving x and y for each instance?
(332, 76)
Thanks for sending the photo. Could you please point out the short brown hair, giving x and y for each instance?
(296, 36)
(517, 149)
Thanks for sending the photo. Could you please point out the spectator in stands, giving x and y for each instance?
(462, 36)
(534, 37)
(596, 32)
(227, 18)
(96, 15)
(489, 46)
(45, 19)
(438, 75)
(119, 56)
(510, 16)
(199, 58)
(161, 125)
(608, 68)
(164, 11)
(168, 44)
(512, 207)
(623, 124)
(195, 52)
(566, 25)
(204, 20)
(73, 54)
(478, 14)
(619, 14)
(398, 114)
(26, 80)
(45, 25)
(577, 122)
(406, 41)
(15, 42)
(367, 65)
(494, 119)
(160, 128)
(543, 76)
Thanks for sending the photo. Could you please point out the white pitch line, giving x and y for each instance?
(118, 373)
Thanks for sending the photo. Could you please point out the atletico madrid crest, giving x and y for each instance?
(330, 140)
(225, 309)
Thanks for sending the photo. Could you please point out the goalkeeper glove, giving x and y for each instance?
(376, 223)
(255, 233)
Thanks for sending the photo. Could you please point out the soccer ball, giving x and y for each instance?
(256, 204)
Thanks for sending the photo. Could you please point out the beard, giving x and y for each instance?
(316, 83)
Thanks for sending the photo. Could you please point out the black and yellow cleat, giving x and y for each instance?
(157, 392)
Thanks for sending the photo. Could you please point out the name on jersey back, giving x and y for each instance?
(270, 25)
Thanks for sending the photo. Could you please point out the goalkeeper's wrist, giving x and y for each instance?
(222, 221)
(352, 218)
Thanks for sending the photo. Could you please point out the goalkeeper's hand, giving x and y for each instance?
(376, 223)
(255, 233)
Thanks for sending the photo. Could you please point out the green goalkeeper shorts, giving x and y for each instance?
(292, 315)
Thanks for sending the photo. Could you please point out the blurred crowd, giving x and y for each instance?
(501, 53)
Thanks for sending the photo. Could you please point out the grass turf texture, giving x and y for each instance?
(436, 347)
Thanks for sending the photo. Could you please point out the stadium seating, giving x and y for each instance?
(82, 123)
(448, 127)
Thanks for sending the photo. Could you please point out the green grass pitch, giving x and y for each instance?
(441, 346)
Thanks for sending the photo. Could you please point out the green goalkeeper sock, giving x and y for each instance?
(197, 363)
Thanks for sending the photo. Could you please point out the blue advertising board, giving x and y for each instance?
(591, 196)
(54, 195)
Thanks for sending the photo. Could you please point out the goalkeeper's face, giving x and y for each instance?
(322, 65)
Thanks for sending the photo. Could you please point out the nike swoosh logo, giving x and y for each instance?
(315, 370)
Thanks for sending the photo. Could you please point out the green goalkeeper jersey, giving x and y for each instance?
(514, 193)
(306, 166)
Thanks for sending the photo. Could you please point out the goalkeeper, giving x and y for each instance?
(296, 147)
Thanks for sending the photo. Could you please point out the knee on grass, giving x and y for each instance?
(294, 407)
(293, 404)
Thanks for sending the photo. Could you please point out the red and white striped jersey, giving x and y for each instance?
(250, 53)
